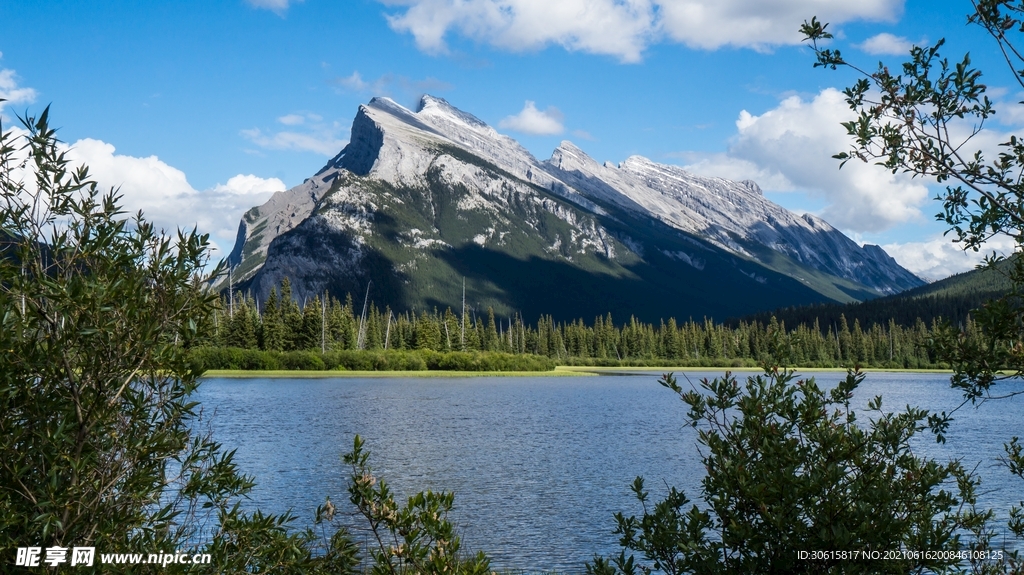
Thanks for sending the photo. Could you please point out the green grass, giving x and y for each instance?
(560, 371)
(301, 374)
(669, 368)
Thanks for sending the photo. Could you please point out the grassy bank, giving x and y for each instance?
(371, 361)
(606, 370)
(557, 371)
(236, 362)
(300, 374)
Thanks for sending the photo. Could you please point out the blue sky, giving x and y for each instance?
(200, 110)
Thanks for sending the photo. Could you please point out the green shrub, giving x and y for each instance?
(488, 361)
(303, 360)
(790, 470)
(207, 358)
(98, 422)
(414, 539)
(232, 358)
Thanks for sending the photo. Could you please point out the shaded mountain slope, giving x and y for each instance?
(418, 201)
(950, 299)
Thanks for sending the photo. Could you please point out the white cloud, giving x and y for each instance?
(292, 119)
(12, 92)
(166, 198)
(623, 28)
(533, 121)
(354, 82)
(615, 27)
(318, 137)
(1009, 113)
(277, 6)
(246, 186)
(790, 148)
(161, 191)
(760, 24)
(939, 257)
(886, 44)
(391, 85)
(584, 135)
(737, 169)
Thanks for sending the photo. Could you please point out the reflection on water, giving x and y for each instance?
(538, 465)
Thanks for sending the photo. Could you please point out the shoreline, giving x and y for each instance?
(798, 369)
(306, 374)
(559, 371)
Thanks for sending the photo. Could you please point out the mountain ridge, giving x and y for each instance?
(952, 299)
(409, 167)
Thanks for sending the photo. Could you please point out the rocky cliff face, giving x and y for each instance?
(417, 201)
(732, 215)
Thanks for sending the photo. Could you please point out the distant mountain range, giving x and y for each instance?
(952, 299)
(422, 203)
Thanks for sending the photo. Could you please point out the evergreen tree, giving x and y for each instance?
(374, 328)
(272, 328)
(490, 335)
(242, 324)
(291, 317)
(428, 333)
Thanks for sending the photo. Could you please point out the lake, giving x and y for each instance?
(538, 464)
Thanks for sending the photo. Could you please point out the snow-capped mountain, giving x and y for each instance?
(417, 201)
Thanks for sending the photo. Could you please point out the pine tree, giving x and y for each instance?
(291, 317)
(312, 324)
(490, 337)
(428, 332)
(272, 329)
(242, 324)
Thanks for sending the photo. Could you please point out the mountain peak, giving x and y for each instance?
(641, 163)
(568, 156)
(385, 103)
(489, 179)
(434, 106)
(567, 145)
(752, 186)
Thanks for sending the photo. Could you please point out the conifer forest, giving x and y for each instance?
(282, 324)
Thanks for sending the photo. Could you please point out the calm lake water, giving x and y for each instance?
(538, 464)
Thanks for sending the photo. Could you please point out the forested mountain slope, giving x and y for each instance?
(951, 299)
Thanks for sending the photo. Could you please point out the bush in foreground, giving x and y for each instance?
(101, 439)
(790, 469)
(98, 430)
(416, 538)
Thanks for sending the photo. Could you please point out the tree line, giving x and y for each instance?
(329, 324)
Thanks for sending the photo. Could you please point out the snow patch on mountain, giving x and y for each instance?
(487, 172)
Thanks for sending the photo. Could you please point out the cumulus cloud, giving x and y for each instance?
(886, 44)
(733, 168)
(166, 198)
(614, 27)
(939, 257)
(161, 191)
(790, 148)
(533, 121)
(711, 24)
(622, 28)
(12, 92)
